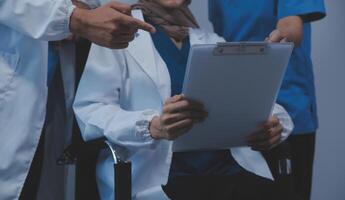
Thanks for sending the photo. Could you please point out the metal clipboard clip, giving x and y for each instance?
(240, 48)
(123, 176)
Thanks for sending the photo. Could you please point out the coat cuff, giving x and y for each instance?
(142, 126)
(69, 10)
(284, 119)
(91, 3)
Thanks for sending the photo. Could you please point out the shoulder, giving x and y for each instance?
(202, 36)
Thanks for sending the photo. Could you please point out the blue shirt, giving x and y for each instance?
(217, 162)
(254, 20)
(53, 62)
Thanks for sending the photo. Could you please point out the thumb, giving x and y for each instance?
(174, 99)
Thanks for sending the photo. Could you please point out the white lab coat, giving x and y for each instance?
(120, 92)
(23, 81)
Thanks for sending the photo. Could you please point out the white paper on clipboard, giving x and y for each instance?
(238, 83)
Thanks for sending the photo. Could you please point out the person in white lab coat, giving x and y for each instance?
(131, 98)
(25, 28)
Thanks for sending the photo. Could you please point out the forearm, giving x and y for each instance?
(121, 127)
(291, 28)
(39, 19)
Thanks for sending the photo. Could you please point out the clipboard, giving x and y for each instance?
(238, 84)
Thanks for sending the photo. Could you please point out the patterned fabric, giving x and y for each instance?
(174, 22)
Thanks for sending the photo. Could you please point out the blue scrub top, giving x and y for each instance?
(254, 20)
(218, 162)
(53, 62)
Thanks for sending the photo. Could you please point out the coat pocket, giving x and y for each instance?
(8, 67)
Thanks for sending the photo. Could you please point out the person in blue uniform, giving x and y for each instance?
(277, 21)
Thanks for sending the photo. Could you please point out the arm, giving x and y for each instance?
(40, 19)
(292, 14)
(99, 113)
(110, 25)
(97, 103)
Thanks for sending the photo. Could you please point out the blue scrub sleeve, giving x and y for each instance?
(215, 15)
(309, 10)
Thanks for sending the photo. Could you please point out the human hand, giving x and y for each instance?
(268, 136)
(276, 36)
(178, 117)
(289, 29)
(110, 26)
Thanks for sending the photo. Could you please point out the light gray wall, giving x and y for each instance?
(329, 64)
(200, 11)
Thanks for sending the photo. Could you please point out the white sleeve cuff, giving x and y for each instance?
(285, 120)
(69, 10)
(92, 3)
(142, 129)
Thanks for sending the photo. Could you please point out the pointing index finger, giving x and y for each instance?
(136, 23)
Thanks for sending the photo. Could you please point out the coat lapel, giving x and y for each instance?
(141, 49)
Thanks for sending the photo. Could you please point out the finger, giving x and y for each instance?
(117, 45)
(175, 117)
(136, 23)
(126, 30)
(271, 122)
(189, 104)
(180, 125)
(124, 38)
(267, 144)
(179, 128)
(275, 36)
(120, 7)
(263, 146)
(272, 133)
(184, 105)
(284, 40)
(122, 31)
(265, 135)
(174, 99)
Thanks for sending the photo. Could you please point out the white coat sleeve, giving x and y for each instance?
(97, 104)
(284, 119)
(39, 19)
(92, 3)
